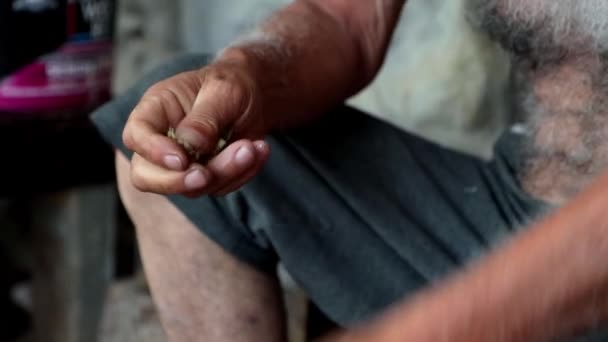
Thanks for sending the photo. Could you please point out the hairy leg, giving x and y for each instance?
(202, 292)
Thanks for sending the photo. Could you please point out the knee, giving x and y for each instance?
(126, 190)
(153, 216)
(142, 207)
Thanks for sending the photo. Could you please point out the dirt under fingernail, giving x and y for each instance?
(193, 153)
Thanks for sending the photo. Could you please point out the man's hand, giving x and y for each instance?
(203, 106)
(307, 58)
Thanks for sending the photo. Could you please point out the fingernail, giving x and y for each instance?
(173, 162)
(195, 180)
(260, 145)
(244, 156)
(191, 137)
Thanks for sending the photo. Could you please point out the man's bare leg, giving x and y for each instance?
(202, 293)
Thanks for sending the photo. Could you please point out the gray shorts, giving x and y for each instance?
(359, 212)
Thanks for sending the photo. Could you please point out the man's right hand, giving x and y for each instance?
(311, 55)
(202, 105)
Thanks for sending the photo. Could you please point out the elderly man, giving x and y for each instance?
(361, 214)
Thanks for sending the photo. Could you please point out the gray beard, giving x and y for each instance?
(544, 29)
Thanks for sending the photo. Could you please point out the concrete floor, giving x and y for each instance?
(129, 315)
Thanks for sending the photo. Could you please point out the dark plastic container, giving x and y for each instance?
(55, 68)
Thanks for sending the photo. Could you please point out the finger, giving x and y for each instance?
(227, 167)
(145, 133)
(174, 96)
(159, 149)
(263, 152)
(149, 177)
(221, 99)
(228, 171)
(236, 160)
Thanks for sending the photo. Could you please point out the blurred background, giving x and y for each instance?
(66, 245)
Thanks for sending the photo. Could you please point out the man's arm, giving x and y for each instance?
(306, 58)
(550, 281)
(313, 54)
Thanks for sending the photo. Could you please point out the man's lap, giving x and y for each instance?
(362, 214)
(359, 212)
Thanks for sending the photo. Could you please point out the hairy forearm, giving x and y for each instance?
(313, 54)
(547, 282)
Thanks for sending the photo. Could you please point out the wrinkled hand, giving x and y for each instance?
(203, 106)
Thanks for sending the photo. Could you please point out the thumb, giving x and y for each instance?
(219, 103)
